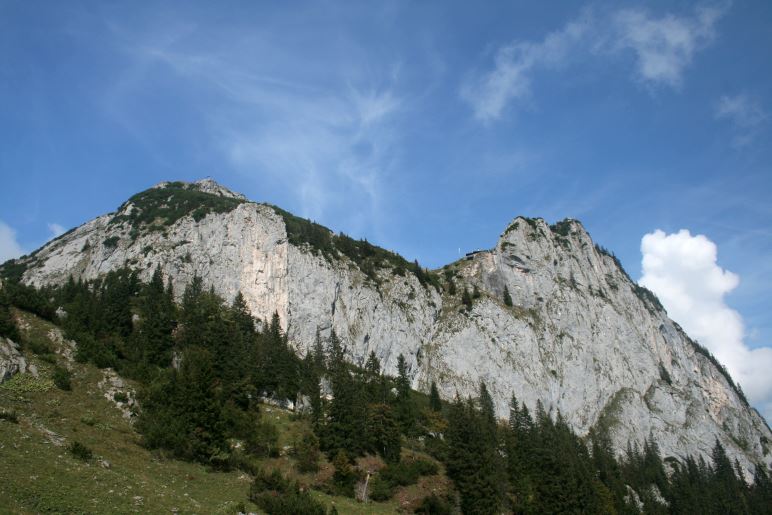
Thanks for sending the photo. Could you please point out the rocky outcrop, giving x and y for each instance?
(579, 336)
(12, 361)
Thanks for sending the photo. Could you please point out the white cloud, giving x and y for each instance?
(510, 78)
(664, 46)
(9, 247)
(56, 230)
(683, 271)
(745, 115)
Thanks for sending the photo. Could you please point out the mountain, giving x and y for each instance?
(545, 314)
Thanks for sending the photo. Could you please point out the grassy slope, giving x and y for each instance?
(39, 475)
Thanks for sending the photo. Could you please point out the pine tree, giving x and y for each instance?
(435, 404)
(375, 390)
(344, 421)
(308, 453)
(7, 324)
(156, 307)
(344, 476)
(383, 432)
(507, 297)
(404, 402)
(471, 460)
(726, 493)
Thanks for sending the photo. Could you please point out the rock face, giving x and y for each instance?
(579, 336)
(12, 361)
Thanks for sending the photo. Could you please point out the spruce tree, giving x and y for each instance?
(404, 402)
(157, 313)
(435, 404)
(507, 297)
(382, 432)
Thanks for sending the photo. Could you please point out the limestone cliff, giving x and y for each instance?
(579, 336)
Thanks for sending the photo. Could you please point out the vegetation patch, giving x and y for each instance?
(80, 451)
(25, 383)
(14, 269)
(369, 258)
(157, 208)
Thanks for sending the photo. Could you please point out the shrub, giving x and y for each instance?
(39, 347)
(120, 397)
(344, 476)
(262, 440)
(407, 473)
(80, 451)
(62, 378)
(277, 495)
(433, 505)
(10, 416)
(380, 490)
(308, 453)
(48, 358)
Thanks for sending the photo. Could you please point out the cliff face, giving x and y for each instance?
(579, 336)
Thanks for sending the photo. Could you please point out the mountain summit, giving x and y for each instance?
(545, 314)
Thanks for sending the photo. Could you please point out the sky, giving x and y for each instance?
(424, 127)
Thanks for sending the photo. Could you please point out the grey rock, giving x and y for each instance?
(12, 361)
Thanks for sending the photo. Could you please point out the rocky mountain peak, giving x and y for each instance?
(207, 185)
(545, 314)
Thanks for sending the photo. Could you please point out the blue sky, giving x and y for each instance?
(424, 127)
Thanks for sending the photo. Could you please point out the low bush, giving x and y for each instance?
(407, 473)
(433, 505)
(80, 451)
(62, 378)
(380, 490)
(277, 495)
(10, 416)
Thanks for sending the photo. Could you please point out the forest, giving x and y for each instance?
(206, 369)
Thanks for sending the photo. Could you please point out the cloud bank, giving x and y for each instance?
(9, 247)
(683, 271)
(663, 47)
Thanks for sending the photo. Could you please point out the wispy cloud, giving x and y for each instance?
(510, 79)
(328, 140)
(9, 246)
(663, 46)
(744, 113)
(55, 229)
(683, 271)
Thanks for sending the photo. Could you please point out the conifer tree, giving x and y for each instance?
(7, 324)
(373, 381)
(471, 460)
(383, 432)
(507, 297)
(156, 307)
(404, 403)
(435, 404)
(343, 420)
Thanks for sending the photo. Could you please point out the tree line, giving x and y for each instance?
(204, 365)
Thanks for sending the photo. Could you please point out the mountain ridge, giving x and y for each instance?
(580, 336)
